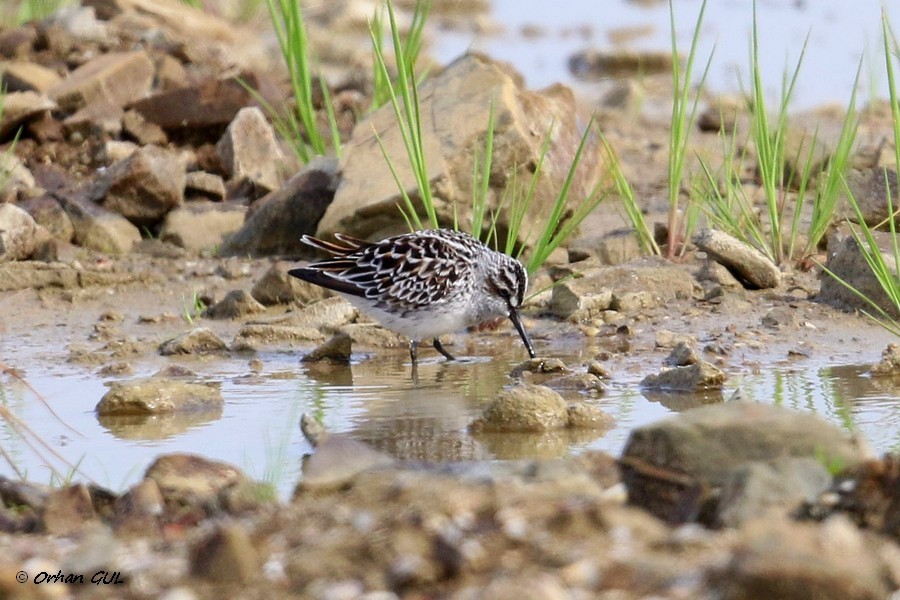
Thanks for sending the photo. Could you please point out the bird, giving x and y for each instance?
(422, 284)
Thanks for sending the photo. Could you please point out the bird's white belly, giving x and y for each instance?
(423, 324)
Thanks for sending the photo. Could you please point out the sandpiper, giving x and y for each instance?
(422, 284)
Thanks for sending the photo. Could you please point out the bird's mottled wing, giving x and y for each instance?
(401, 273)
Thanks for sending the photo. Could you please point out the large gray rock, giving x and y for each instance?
(25, 76)
(143, 187)
(115, 77)
(524, 408)
(750, 265)
(186, 479)
(645, 282)
(779, 558)
(20, 108)
(782, 484)
(870, 188)
(17, 233)
(697, 377)
(849, 264)
(202, 225)
(675, 467)
(454, 108)
(197, 341)
(249, 151)
(276, 222)
(49, 214)
(99, 229)
(277, 287)
(154, 396)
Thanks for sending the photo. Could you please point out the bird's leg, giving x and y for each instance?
(440, 348)
(414, 351)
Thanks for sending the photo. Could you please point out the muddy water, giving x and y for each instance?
(377, 400)
(538, 38)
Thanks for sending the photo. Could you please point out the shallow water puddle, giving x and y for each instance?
(376, 400)
(538, 38)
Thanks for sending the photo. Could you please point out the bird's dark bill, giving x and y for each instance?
(514, 317)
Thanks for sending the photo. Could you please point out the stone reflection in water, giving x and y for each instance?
(426, 418)
(157, 427)
(546, 444)
(854, 383)
(682, 401)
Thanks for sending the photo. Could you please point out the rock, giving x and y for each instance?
(634, 302)
(849, 264)
(94, 550)
(681, 355)
(68, 510)
(804, 148)
(80, 23)
(17, 233)
(236, 303)
(870, 188)
(205, 185)
(674, 467)
(115, 77)
(138, 510)
(99, 229)
(13, 174)
(373, 335)
(278, 221)
(153, 396)
(753, 489)
(597, 369)
(780, 317)
(539, 365)
(49, 214)
(889, 363)
(337, 348)
(588, 416)
(312, 429)
(718, 273)
(277, 287)
(326, 315)
(20, 108)
(578, 302)
(337, 460)
(202, 225)
(696, 377)
(249, 151)
(28, 500)
(592, 65)
(251, 334)
(187, 479)
(721, 115)
(226, 556)
(578, 382)
(649, 281)
(781, 559)
(26, 76)
(142, 131)
(455, 105)
(196, 341)
(614, 248)
(143, 187)
(663, 338)
(749, 265)
(213, 102)
(16, 42)
(865, 492)
(100, 117)
(524, 408)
